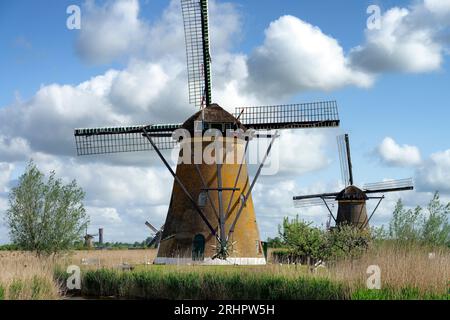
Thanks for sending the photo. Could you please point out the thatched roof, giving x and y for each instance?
(351, 193)
(212, 114)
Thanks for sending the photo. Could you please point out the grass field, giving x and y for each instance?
(406, 273)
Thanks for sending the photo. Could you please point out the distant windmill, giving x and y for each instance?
(352, 200)
(88, 240)
(156, 235)
(211, 217)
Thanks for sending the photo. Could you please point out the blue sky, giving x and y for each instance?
(408, 105)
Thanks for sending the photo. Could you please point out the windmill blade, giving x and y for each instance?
(389, 186)
(293, 116)
(314, 199)
(196, 31)
(313, 202)
(156, 239)
(345, 159)
(124, 139)
(148, 224)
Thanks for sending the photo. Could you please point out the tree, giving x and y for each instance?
(275, 242)
(405, 224)
(435, 227)
(303, 239)
(45, 217)
(347, 241)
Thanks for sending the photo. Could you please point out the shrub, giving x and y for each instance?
(302, 239)
(347, 241)
(45, 216)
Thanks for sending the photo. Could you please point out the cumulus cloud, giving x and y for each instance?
(435, 173)
(5, 175)
(115, 31)
(393, 154)
(299, 152)
(297, 56)
(110, 31)
(410, 40)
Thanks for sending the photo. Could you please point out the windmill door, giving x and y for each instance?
(198, 248)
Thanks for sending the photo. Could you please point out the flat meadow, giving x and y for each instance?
(407, 272)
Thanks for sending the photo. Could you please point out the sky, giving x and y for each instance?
(126, 65)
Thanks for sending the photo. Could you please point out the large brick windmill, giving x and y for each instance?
(211, 218)
(352, 200)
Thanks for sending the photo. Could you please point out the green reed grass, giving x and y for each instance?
(151, 284)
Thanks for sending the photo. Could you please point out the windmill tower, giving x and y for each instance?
(352, 200)
(211, 217)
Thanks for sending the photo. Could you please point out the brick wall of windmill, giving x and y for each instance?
(183, 222)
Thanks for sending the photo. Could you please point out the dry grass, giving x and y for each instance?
(401, 267)
(23, 276)
(108, 258)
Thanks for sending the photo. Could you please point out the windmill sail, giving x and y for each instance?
(148, 224)
(124, 139)
(345, 159)
(389, 186)
(196, 30)
(312, 202)
(306, 115)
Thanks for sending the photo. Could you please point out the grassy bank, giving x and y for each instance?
(222, 283)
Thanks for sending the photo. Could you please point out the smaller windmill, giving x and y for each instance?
(352, 200)
(88, 240)
(156, 235)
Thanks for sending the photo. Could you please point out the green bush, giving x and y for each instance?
(346, 242)
(2, 293)
(302, 239)
(308, 244)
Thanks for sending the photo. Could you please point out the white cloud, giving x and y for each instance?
(434, 175)
(440, 7)
(5, 176)
(115, 31)
(409, 40)
(13, 148)
(302, 151)
(103, 216)
(110, 31)
(297, 56)
(394, 154)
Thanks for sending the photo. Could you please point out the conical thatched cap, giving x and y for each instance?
(351, 193)
(212, 114)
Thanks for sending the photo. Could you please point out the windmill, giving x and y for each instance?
(352, 200)
(88, 240)
(156, 235)
(211, 218)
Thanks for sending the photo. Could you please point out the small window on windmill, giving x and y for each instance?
(202, 198)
